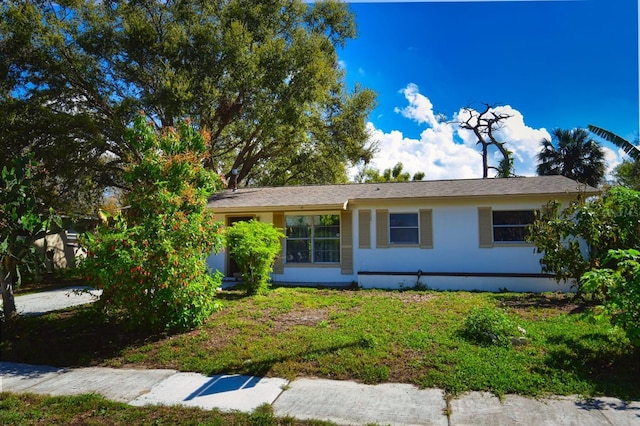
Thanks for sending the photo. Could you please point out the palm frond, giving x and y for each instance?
(631, 150)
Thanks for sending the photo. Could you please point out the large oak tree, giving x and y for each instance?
(261, 77)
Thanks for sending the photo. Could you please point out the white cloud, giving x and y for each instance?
(436, 152)
(613, 159)
(420, 107)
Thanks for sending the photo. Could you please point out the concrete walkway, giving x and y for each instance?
(342, 402)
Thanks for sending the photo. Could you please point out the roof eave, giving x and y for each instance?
(439, 198)
(282, 208)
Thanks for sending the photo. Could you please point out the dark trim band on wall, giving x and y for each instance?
(461, 274)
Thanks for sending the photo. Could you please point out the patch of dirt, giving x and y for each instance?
(218, 341)
(414, 297)
(307, 317)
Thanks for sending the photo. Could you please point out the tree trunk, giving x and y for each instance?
(485, 162)
(7, 278)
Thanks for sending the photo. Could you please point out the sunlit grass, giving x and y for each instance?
(367, 336)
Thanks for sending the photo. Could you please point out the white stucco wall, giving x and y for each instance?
(494, 284)
(215, 262)
(455, 246)
(455, 250)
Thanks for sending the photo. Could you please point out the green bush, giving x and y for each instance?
(621, 290)
(254, 246)
(486, 325)
(577, 239)
(150, 259)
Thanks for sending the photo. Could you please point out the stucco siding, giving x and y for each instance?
(313, 275)
(455, 246)
(494, 284)
(455, 260)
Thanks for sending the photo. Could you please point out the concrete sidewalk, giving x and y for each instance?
(342, 402)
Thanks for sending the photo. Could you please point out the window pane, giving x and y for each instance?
(403, 235)
(514, 217)
(298, 251)
(403, 219)
(326, 226)
(326, 232)
(327, 220)
(298, 226)
(320, 232)
(326, 251)
(510, 233)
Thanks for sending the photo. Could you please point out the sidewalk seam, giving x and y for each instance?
(281, 392)
(447, 402)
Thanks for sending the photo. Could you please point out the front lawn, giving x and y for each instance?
(368, 336)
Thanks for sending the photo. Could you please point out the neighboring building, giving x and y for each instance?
(62, 249)
(453, 234)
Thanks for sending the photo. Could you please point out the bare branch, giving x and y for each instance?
(483, 124)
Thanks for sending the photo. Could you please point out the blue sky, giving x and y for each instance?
(548, 64)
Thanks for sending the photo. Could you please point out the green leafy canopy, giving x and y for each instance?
(577, 238)
(261, 77)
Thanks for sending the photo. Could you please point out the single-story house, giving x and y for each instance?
(466, 234)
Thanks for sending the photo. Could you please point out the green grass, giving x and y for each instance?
(368, 336)
(29, 409)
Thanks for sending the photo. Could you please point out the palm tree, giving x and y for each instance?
(572, 153)
(632, 150)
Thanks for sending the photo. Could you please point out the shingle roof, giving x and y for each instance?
(278, 198)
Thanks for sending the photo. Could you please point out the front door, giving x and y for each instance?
(232, 266)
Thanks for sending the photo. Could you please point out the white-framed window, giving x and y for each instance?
(403, 228)
(511, 226)
(312, 238)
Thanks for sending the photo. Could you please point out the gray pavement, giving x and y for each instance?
(342, 402)
(53, 300)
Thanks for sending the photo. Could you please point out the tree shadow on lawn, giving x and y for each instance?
(72, 337)
(232, 295)
(610, 366)
(563, 302)
(81, 337)
(263, 367)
